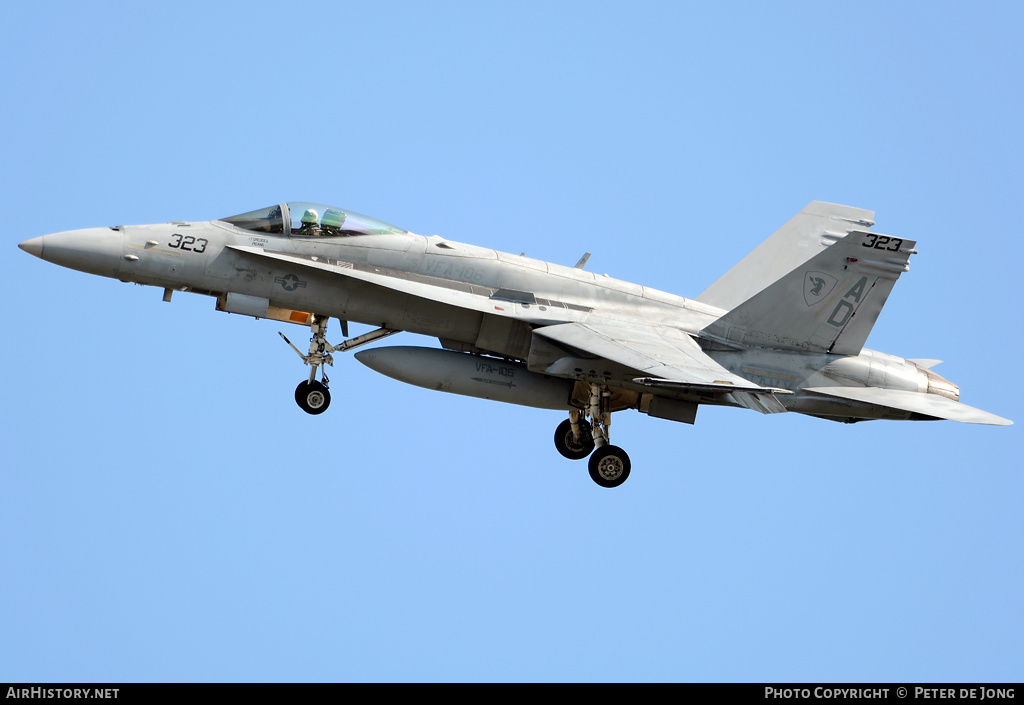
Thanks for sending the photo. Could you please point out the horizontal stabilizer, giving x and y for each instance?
(915, 402)
(925, 363)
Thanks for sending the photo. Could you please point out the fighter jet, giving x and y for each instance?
(783, 330)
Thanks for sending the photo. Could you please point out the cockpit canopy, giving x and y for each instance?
(301, 219)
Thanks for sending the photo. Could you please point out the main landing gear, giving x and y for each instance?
(314, 397)
(576, 438)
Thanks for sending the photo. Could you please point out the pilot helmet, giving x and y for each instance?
(310, 217)
(333, 219)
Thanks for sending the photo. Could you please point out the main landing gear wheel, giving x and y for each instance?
(312, 397)
(609, 466)
(571, 448)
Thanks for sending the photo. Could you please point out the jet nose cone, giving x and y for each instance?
(34, 247)
(93, 250)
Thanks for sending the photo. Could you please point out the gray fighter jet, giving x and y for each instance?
(783, 330)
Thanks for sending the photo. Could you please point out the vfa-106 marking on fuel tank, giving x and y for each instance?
(796, 312)
(503, 370)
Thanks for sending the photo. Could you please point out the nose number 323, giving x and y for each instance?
(186, 242)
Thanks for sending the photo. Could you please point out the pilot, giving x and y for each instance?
(309, 223)
(332, 222)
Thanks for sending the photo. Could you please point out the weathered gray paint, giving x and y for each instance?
(758, 338)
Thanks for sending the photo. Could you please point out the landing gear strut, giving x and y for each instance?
(576, 438)
(314, 397)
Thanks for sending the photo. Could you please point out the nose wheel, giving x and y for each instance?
(313, 397)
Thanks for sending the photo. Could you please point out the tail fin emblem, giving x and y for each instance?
(817, 286)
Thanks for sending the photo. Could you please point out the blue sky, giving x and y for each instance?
(168, 514)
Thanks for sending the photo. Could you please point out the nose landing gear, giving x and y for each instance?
(314, 397)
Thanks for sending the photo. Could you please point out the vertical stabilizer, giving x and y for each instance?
(827, 304)
(808, 233)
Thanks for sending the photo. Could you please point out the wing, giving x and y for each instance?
(931, 405)
(662, 357)
(498, 302)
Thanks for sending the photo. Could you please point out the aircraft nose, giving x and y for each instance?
(34, 247)
(93, 250)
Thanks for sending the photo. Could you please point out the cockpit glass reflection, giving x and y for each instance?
(302, 219)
